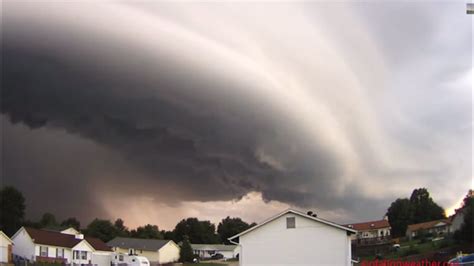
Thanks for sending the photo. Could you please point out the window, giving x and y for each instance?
(120, 257)
(75, 255)
(60, 253)
(43, 251)
(290, 222)
(84, 255)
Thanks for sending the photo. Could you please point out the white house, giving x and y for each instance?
(457, 220)
(437, 228)
(371, 229)
(294, 238)
(70, 231)
(5, 248)
(205, 251)
(50, 246)
(155, 250)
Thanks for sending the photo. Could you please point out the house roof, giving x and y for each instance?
(369, 225)
(6, 237)
(137, 243)
(98, 244)
(219, 247)
(427, 225)
(52, 238)
(316, 219)
(57, 228)
(58, 239)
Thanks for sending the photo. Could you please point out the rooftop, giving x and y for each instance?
(427, 225)
(137, 243)
(369, 225)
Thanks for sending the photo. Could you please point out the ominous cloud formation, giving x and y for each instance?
(334, 107)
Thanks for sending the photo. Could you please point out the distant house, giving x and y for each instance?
(372, 232)
(47, 246)
(205, 251)
(156, 251)
(294, 238)
(457, 219)
(437, 228)
(5, 248)
(69, 231)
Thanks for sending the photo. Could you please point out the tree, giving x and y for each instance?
(148, 231)
(122, 230)
(186, 251)
(103, 229)
(198, 232)
(465, 233)
(71, 222)
(12, 210)
(229, 227)
(48, 220)
(419, 208)
(399, 214)
(167, 234)
(424, 209)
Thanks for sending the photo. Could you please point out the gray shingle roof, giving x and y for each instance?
(137, 243)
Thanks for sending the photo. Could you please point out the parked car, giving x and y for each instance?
(217, 256)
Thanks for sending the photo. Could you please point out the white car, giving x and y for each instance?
(129, 260)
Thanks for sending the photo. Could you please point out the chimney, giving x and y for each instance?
(79, 236)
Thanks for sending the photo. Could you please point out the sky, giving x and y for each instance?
(158, 111)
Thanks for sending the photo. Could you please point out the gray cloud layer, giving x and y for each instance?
(210, 102)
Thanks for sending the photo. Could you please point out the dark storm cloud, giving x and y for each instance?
(164, 124)
(174, 107)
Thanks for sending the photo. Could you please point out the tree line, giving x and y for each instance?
(420, 207)
(12, 212)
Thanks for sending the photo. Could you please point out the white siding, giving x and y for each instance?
(226, 254)
(101, 258)
(168, 253)
(457, 222)
(310, 243)
(4, 245)
(23, 246)
(70, 231)
(52, 251)
(83, 246)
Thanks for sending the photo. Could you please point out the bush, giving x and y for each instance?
(186, 252)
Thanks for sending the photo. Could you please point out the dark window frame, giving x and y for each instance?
(290, 222)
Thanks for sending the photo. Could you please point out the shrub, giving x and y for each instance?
(186, 252)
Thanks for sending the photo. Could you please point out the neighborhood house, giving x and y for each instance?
(5, 248)
(156, 251)
(294, 238)
(436, 228)
(205, 251)
(37, 245)
(371, 233)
